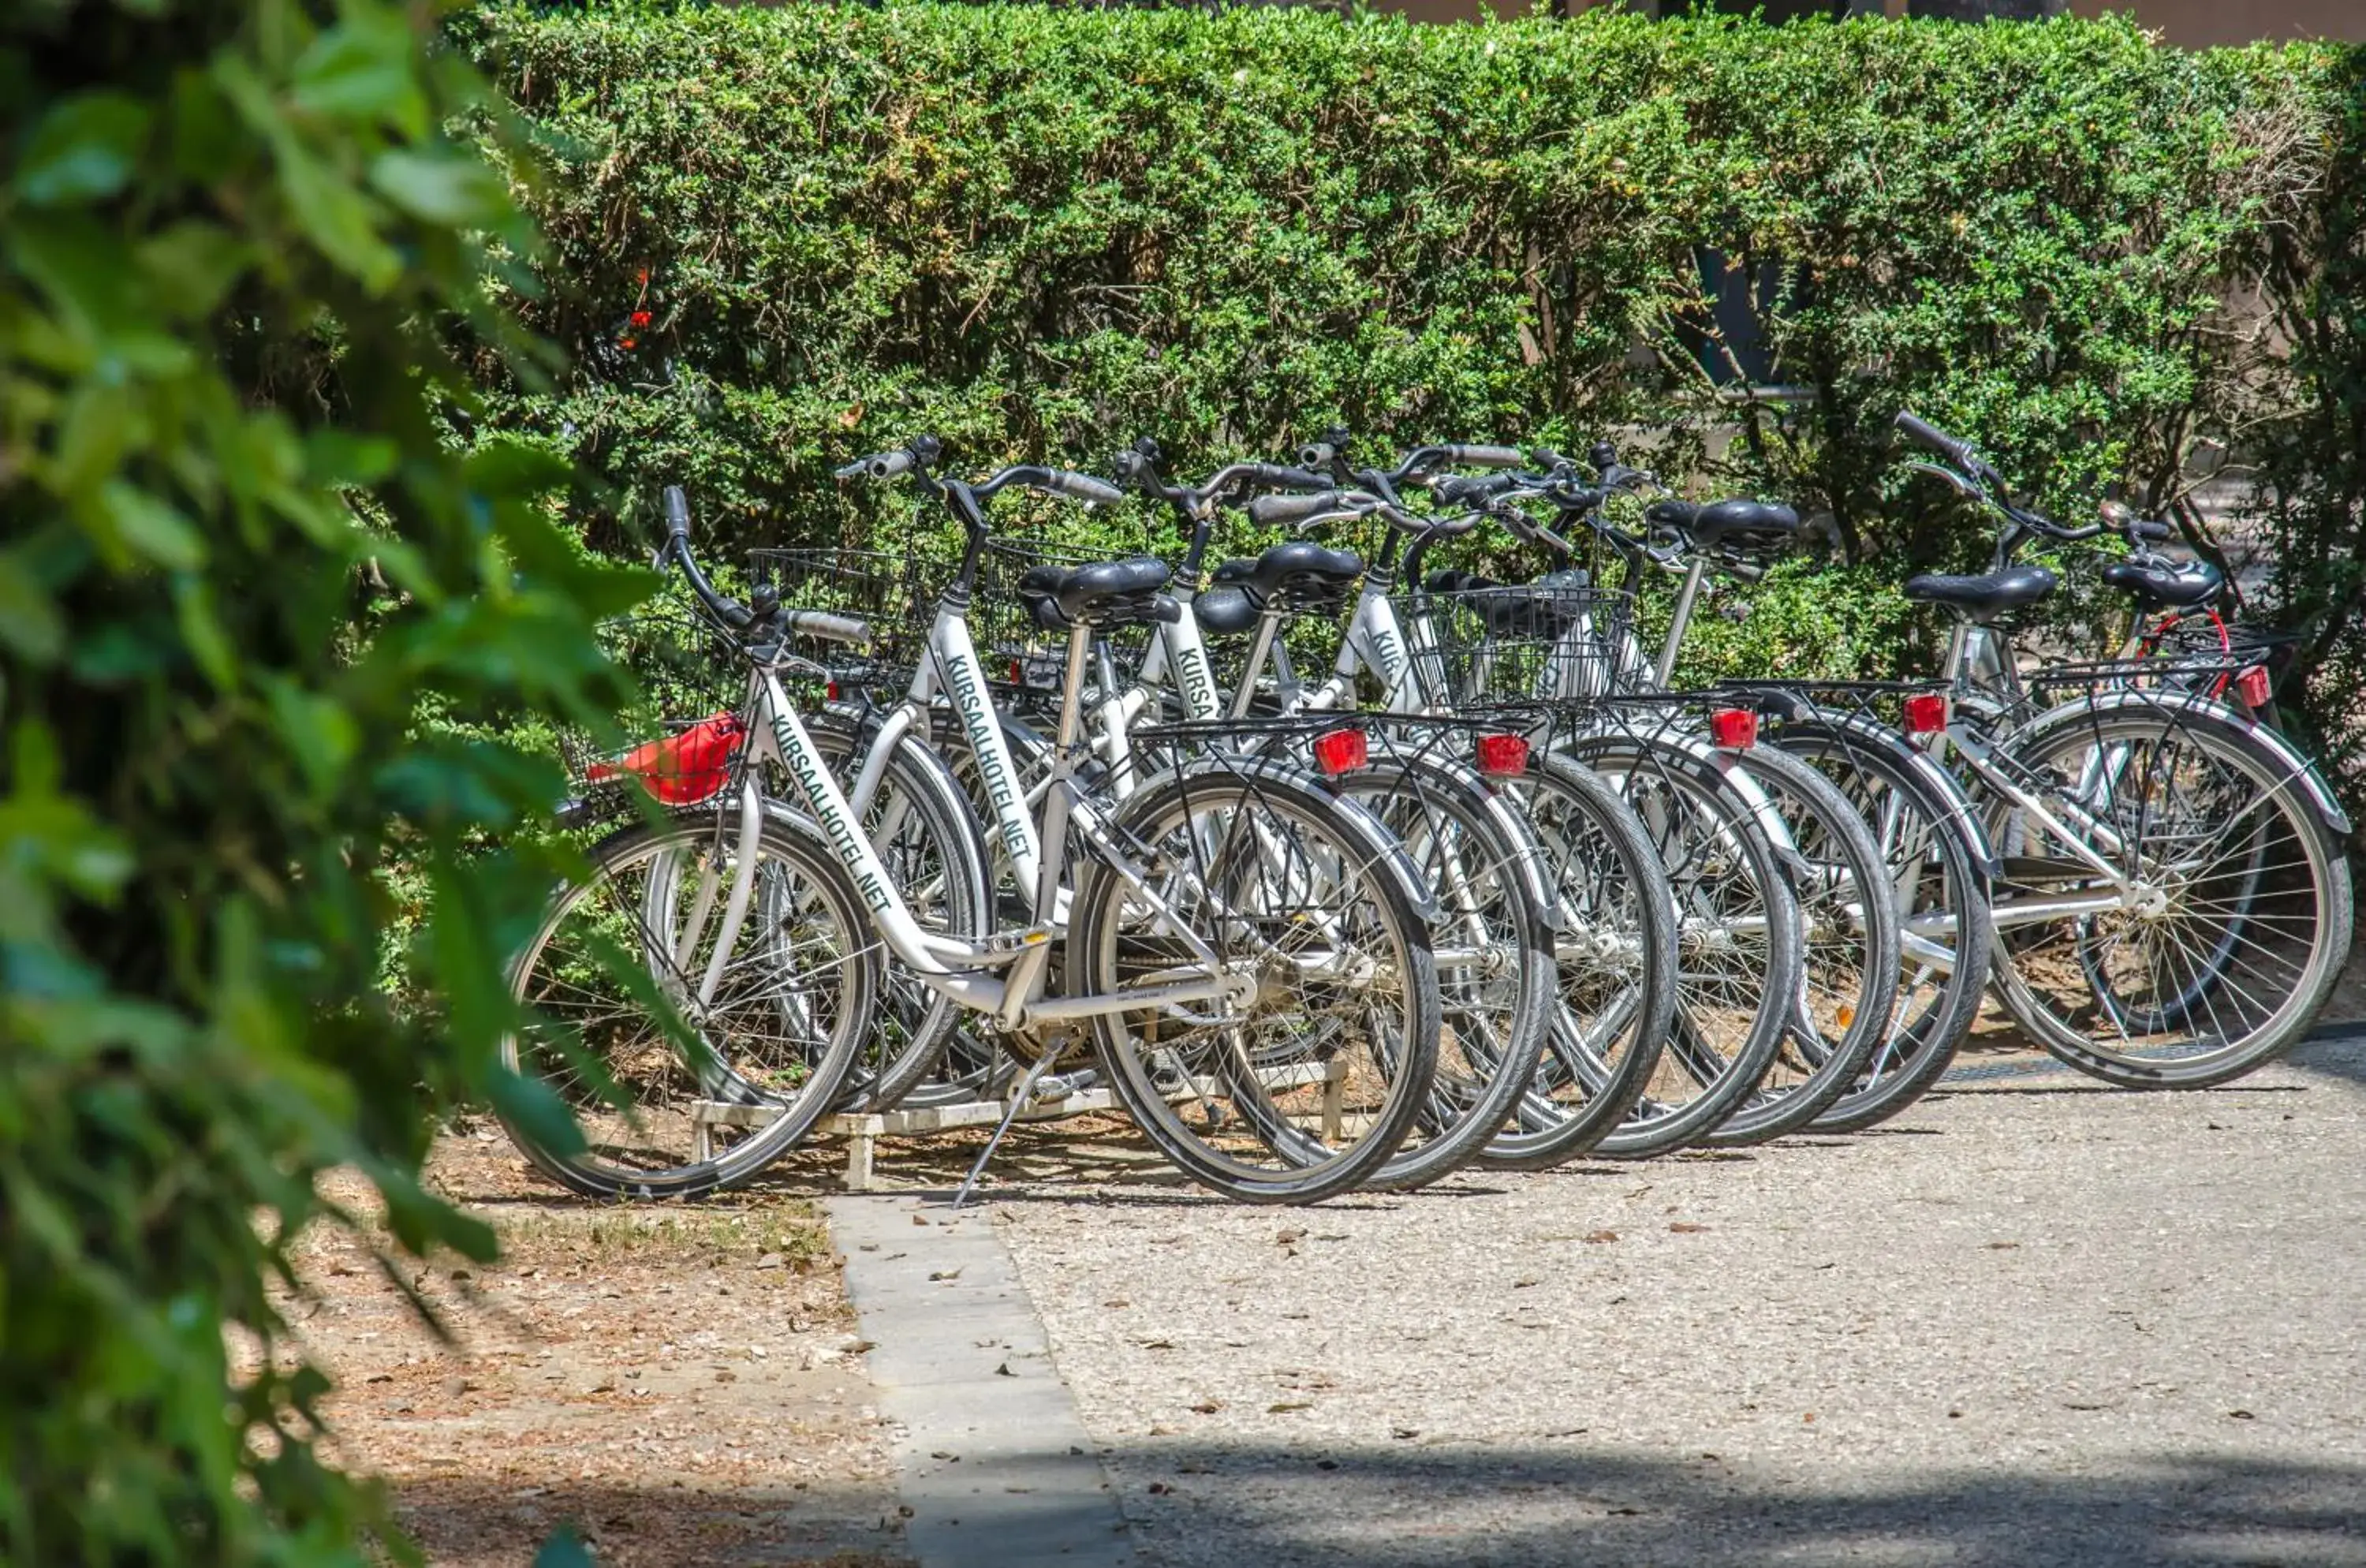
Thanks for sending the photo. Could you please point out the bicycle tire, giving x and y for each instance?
(922, 823)
(763, 1050)
(1338, 873)
(1738, 940)
(1615, 967)
(1491, 945)
(1937, 873)
(1849, 954)
(2170, 752)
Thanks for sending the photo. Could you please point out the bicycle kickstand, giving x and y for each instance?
(1021, 1096)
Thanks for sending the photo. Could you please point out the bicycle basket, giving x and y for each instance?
(691, 678)
(894, 595)
(1481, 645)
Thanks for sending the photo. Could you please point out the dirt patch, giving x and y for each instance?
(680, 1384)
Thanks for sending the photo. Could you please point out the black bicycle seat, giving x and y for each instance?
(1103, 593)
(1987, 595)
(1226, 611)
(1709, 526)
(1301, 570)
(2183, 583)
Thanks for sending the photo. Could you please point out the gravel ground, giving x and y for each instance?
(2033, 1321)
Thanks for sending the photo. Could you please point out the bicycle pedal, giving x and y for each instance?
(1051, 1087)
(1018, 939)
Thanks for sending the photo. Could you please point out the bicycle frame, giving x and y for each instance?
(967, 972)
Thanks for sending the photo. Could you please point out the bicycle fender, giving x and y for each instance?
(2296, 767)
(1381, 846)
(1942, 785)
(1731, 766)
(1508, 821)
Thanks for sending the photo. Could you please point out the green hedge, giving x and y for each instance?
(1043, 232)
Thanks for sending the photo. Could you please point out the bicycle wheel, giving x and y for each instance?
(1615, 967)
(1302, 1084)
(1938, 887)
(2215, 940)
(1848, 987)
(920, 821)
(1491, 944)
(1738, 949)
(675, 1098)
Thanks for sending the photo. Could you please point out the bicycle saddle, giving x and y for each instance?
(1300, 575)
(1227, 610)
(1708, 525)
(1987, 595)
(2183, 583)
(1112, 592)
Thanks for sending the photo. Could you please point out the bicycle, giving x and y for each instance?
(2173, 905)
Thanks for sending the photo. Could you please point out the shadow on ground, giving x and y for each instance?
(474, 1523)
(1435, 1507)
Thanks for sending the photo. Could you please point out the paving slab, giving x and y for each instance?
(992, 1460)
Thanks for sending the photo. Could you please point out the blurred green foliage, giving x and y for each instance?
(239, 557)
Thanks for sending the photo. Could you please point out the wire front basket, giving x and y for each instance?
(1516, 645)
(894, 595)
(682, 727)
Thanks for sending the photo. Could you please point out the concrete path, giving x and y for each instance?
(2032, 1322)
(993, 1467)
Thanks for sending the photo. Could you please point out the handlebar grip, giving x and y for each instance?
(1583, 498)
(1457, 487)
(1937, 440)
(1317, 455)
(1483, 457)
(830, 628)
(1082, 487)
(1281, 511)
(677, 512)
(2156, 533)
(1280, 477)
(889, 465)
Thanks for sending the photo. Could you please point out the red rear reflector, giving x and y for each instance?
(1926, 713)
(2253, 687)
(1503, 756)
(1341, 751)
(1017, 675)
(829, 692)
(1735, 730)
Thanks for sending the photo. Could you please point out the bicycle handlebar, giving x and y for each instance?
(726, 609)
(1076, 487)
(830, 628)
(1956, 451)
(1483, 456)
(1288, 510)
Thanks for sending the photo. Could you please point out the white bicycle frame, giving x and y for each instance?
(1004, 974)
